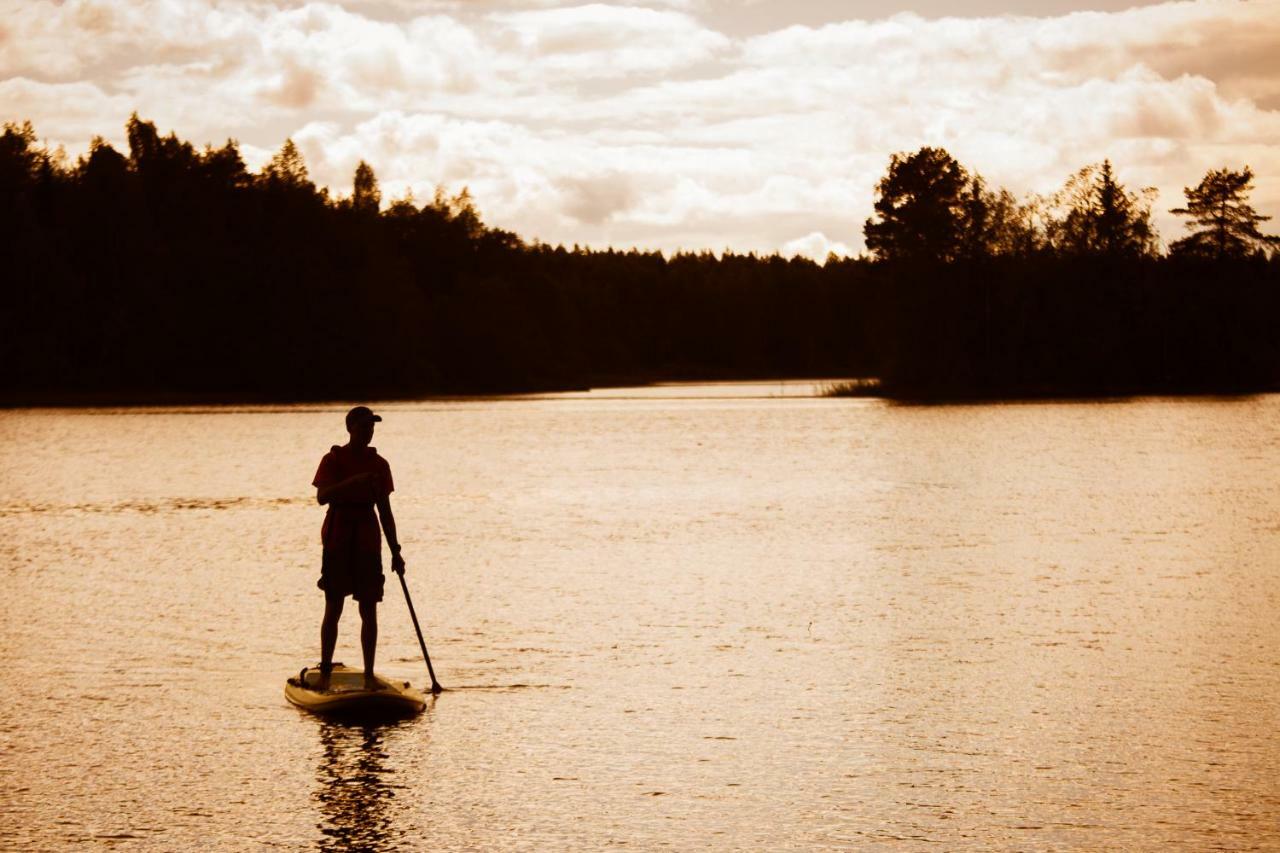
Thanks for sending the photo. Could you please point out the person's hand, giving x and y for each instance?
(397, 564)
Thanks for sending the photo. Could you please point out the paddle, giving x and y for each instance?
(435, 685)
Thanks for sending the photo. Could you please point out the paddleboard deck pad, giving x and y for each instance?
(348, 697)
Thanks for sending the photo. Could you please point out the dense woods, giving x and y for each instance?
(978, 294)
(174, 272)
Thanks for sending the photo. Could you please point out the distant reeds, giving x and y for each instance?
(865, 387)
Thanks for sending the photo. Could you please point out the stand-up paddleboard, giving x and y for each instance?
(348, 697)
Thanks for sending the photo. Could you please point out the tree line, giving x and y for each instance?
(980, 294)
(172, 271)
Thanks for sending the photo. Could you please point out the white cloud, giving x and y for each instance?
(644, 123)
(75, 122)
(815, 245)
(595, 199)
(1026, 101)
(600, 40)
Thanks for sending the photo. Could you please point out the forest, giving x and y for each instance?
(174, 273)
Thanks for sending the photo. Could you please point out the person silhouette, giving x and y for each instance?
(352, 480)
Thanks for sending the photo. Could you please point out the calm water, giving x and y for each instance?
(727, 617)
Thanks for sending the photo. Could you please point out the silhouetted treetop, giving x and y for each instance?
(161, 158)
(932, 208)
(19, 157)
(224, 167)
(1222, 222)
(103, 170)
(995, 224)
(919, 208)
(929, 207)
(1093, 214)
(460, 209)
(365, 196)
(287, 167)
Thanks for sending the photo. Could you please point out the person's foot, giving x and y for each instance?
(322, 682)
(372, 683)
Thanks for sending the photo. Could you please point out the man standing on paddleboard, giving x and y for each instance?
(352, 480)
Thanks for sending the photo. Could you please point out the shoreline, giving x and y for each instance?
(833, 387)
(141, 398)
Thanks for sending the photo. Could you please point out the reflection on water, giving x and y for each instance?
(146, 507)
(733, 619)
(355, 789)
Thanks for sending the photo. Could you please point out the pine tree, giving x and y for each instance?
(287, 166)
(1223, 223)
(1096, 215)
(366, 197)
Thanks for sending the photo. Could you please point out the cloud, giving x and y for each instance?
(599, 40)
(815, 245)
(79, 117)
(296, 87)
(645, 123)
(1027, 100)
(595, 199)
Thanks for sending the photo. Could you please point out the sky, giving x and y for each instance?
(756, 125)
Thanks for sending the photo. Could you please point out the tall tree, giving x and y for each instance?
(287, 166)
(921, 206)
(144, 140)
(995, 223)
(1096, 215)
(104, 169)
(19, 156)
(1222, 222)
(366, 197)
(224, 167)
(162, 158)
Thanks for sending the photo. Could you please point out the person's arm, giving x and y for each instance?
(354, 488)
(389, 530)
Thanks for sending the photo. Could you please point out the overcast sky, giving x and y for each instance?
(753, 125)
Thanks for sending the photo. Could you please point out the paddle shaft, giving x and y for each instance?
(435, 685)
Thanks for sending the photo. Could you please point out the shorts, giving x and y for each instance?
(357, 574)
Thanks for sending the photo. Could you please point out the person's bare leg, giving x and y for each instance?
(328, 639)
(369, 640)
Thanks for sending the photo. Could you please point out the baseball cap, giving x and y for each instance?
(361, 414)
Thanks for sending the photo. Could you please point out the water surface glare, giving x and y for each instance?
(737, 617)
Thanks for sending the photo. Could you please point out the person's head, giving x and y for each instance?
(360, 421)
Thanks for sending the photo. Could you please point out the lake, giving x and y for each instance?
(685, 617)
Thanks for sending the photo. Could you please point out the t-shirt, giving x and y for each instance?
(351, 523)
